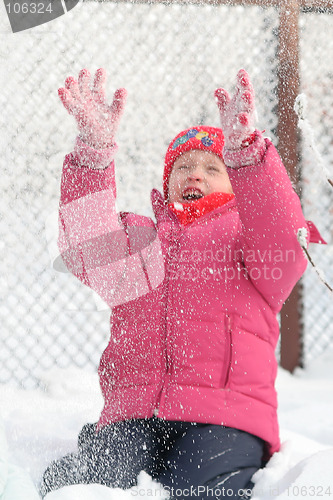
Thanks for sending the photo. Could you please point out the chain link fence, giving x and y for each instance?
(316, 63)
(170, 58)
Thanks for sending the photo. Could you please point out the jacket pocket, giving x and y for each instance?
(227, 354)
(254, 366)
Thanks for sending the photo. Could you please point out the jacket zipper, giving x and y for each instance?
(228, 352)
(167, 361)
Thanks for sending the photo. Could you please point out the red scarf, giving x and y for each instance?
(189, 212)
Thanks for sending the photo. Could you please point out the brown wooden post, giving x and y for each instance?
(288, 89)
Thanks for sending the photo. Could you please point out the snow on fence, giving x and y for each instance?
(170, 58)
(316, 65)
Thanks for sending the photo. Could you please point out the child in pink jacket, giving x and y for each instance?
(188, 375)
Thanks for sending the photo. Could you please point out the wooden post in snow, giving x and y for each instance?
(287, 131)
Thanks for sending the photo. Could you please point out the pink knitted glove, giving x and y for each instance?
(237, 114)
(97, 121)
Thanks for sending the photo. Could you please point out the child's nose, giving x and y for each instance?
(196, 173)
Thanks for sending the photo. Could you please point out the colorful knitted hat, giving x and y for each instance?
(209, 139)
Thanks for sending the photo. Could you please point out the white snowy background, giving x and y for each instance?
(170, 58)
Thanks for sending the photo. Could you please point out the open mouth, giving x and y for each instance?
(191, 194)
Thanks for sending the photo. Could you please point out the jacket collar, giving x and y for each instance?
(187, 213)
(163, 213)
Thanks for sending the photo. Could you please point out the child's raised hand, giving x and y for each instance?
(97, 121)
(238, 113)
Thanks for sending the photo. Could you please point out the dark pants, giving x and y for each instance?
(191, 460)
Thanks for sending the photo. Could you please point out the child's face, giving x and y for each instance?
(195, 174)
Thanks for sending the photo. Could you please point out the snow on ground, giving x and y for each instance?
(43, 424)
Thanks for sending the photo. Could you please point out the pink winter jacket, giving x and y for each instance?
(193, 323)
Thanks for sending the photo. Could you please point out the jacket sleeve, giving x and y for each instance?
(117, 255)
(270, 213)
